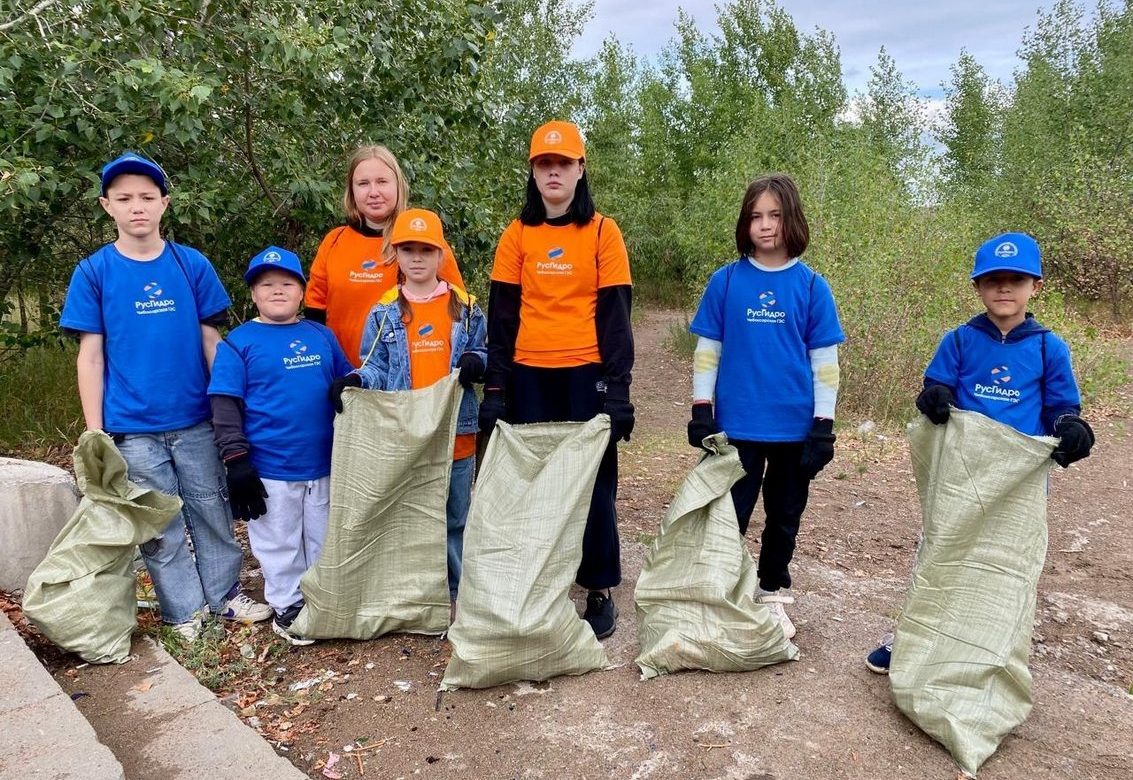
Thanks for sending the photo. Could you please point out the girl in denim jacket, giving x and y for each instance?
(417, 334)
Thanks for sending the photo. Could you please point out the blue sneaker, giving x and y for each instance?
(878, 660)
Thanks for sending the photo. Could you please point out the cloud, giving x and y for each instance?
(925, 39)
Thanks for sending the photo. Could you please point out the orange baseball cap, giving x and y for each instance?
(561, 138)
(418, 225)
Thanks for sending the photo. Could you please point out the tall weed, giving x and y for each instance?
(40, 400)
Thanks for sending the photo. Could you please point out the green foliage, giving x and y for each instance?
(253, 109)
(43, 407)
(1065, 167)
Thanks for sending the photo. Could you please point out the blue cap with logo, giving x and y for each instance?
(274, 257)
(132, 162)
(1015, 252)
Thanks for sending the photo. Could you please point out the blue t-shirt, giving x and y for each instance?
(1024, 379)
(283, 373)
(149, 313)
(767, 321)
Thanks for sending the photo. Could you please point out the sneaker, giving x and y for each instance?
(281, 625)
(774, 601)
(878, 660)
(246, 610)
(601, 613)
(190, 629)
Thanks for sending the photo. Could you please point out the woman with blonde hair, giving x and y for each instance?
(353, 268)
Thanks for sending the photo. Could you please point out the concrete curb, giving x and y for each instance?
(44, 734)
(161, 722)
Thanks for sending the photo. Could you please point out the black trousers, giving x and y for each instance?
(774, 466)
(571, 394)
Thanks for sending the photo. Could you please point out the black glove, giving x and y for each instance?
(818, 449)
(492, 408)
(1075, 437)
(934, 401)
(621, 417)
(246, 491)
(471, 369)
(702, 425)
(340, 384)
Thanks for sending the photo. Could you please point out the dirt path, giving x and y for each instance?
(824, 716)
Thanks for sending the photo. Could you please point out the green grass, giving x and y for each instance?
(41, 408)
(215, 657)
(679, 340)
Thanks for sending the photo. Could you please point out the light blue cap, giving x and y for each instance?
(274, 257)
(1016, 252)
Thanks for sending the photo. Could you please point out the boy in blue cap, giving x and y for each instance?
(274, 426)
(147, 311)
(1005, 365)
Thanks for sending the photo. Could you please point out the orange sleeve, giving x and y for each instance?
(449, 270)
(316, 296)
(509, 256)
(613, 259)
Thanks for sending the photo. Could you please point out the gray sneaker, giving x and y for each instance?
(246, 610)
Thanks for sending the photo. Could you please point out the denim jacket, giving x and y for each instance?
(386, 363)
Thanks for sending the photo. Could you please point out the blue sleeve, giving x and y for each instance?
(375, 361)
(945, 366)
(709, 318)
(823, 327)
(210, 294)
(477, 337)
(82, 309)
(1060, 389)
(228, 372)
(341, 363)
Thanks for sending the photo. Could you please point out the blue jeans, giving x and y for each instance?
(459, 499)
(185, 463)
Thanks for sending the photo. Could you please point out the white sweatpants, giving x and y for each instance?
(287, 539)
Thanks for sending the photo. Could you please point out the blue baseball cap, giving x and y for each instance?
(274, 257)
(132, 162)
(1016, 252)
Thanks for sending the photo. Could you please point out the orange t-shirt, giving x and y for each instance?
(560, 270)
(349, 276)
(429, 334)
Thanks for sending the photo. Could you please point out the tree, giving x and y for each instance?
(970, 133)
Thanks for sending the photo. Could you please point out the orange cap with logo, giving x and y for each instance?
(561, 138)
(418, 225)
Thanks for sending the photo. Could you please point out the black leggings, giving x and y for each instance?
(775, 467)
(571, 394)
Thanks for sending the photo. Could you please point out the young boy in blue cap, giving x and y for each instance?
(274, 426)
(147, 311)
(1005, 365)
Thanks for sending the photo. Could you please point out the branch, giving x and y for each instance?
(42, 5)
(276, 205)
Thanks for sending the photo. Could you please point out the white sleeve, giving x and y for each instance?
(705, 367)
(824, 366)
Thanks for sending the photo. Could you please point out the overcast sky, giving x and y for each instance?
(924, 38)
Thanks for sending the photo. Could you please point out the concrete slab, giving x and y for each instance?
(160, 722)
(44, 734)
(36, 500)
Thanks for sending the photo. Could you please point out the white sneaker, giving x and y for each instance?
(190, 629)
(774, 601)
(241, 607)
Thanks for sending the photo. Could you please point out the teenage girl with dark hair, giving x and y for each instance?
(560, 345)
(768, 358)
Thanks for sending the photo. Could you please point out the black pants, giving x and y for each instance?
(775, 467)
(571, 394)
